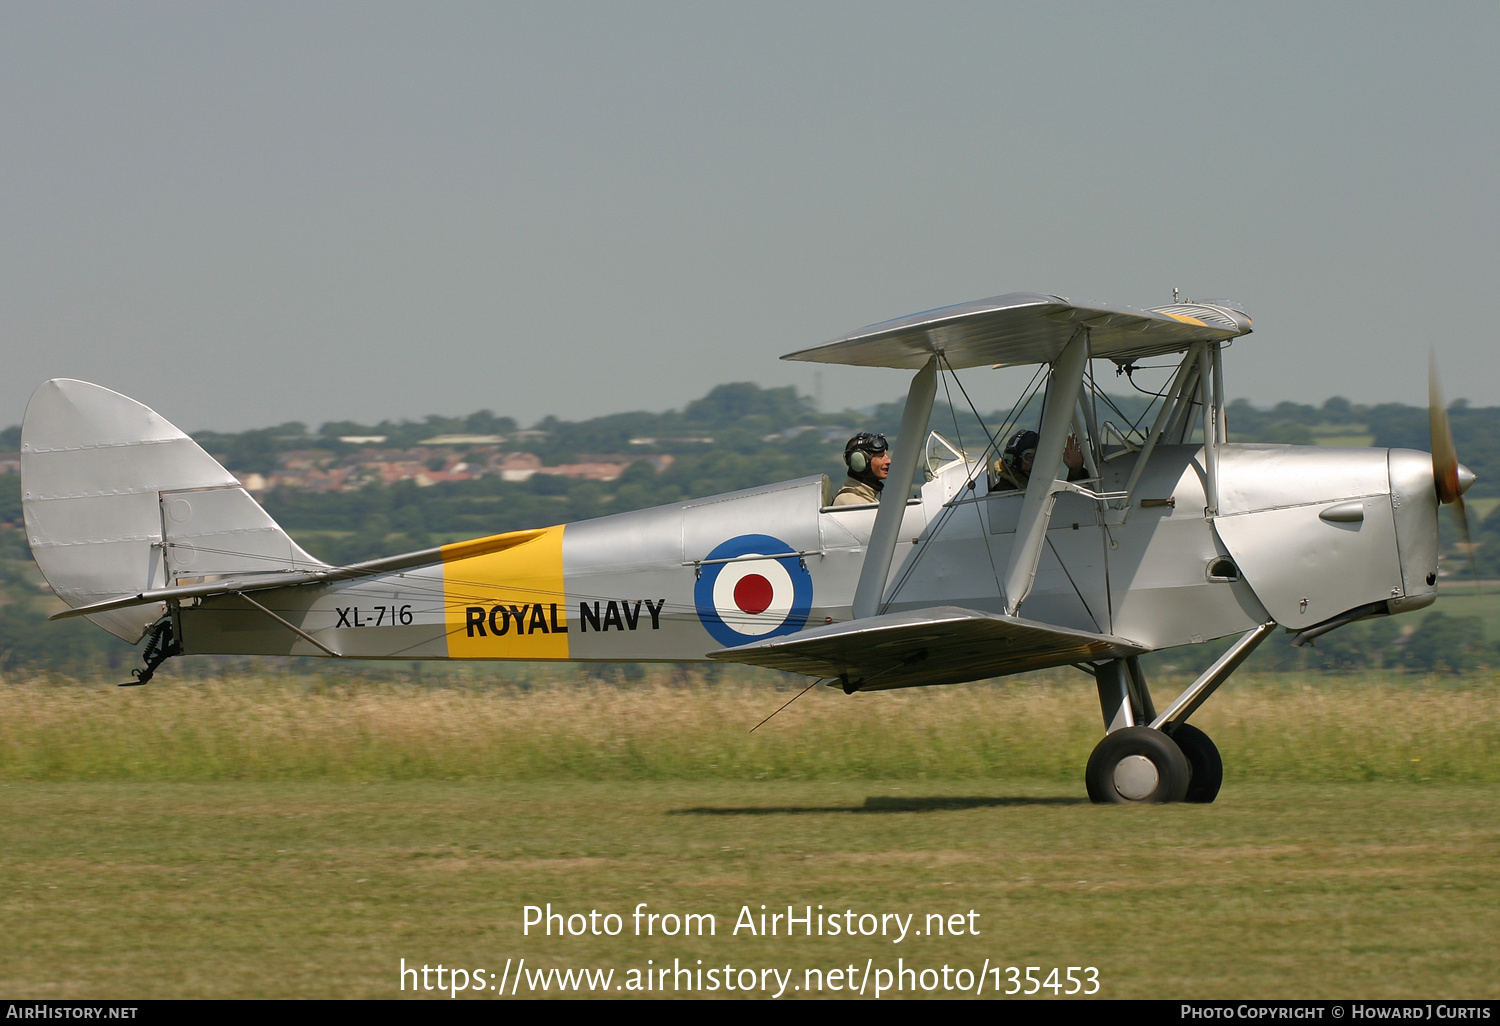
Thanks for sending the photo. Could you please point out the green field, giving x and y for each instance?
(1466, 599)
(298, 837)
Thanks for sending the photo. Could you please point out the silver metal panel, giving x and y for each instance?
(1255, 477)
(636, 558)
(1285, 518)
(653, 558)
(1415, 507)
(955, 563)
(212, 532)
(962, 564)
(1159, 589)
(1025, 328)
(787, 511)
(836, 571)
(1305, 569)
(846, 531)
(353, 619)
(1074, 569)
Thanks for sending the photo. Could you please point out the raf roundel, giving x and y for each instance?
(746, 599)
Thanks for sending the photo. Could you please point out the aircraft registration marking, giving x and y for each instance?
(383, 616)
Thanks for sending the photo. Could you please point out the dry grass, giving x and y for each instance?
(306, 727)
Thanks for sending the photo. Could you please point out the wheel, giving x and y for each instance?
(1137, 764)
(1203, 760)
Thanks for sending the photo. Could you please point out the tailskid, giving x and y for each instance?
(161, 646)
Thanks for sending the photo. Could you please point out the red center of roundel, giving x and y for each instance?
(752, 593)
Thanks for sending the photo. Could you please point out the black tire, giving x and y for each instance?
(1203, 760)
(1137, 765)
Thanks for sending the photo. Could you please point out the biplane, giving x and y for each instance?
(1173, 536)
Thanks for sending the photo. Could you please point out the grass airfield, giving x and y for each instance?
(293, 837)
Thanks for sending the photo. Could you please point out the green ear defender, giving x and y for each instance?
(861, 448)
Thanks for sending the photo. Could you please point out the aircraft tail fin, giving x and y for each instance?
(119, 501)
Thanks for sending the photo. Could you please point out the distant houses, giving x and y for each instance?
(436, 461)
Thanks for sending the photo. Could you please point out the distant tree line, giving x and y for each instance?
(1434, 643)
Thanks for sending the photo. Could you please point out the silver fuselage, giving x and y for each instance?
(1302, 535)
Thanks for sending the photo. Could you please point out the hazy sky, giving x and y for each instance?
(243, 214)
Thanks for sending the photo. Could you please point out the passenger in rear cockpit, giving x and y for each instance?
(1012, 471)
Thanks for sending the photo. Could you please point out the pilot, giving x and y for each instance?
(868, 458)
(1013, 469)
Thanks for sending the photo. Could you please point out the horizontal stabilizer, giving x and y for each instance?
(297, 578)
(941, 645)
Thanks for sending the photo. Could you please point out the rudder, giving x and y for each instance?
(118, 500)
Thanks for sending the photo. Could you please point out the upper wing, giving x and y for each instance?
(941, 645)
(1025, 327)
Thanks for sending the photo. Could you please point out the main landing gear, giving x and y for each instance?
(1150, 757)
(1137, 764)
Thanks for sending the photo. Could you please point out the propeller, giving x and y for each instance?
(1452, 477)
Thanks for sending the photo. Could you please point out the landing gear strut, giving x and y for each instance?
(1158, 757)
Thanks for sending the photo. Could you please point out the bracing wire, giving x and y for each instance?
(788, 702)
(948, 510)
